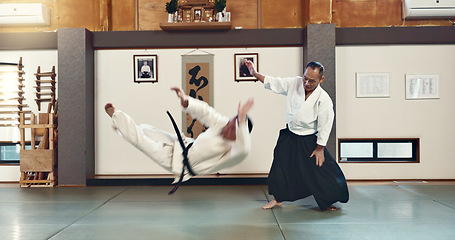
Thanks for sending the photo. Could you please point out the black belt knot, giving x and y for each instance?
(186, 163)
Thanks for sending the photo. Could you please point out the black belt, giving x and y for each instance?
(186, 164)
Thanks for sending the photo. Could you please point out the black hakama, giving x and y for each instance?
(294, 175)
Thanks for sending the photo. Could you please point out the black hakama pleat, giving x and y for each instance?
(294, 175)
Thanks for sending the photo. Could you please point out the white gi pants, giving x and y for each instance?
(157, 144)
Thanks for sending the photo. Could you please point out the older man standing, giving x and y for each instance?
(301, 165)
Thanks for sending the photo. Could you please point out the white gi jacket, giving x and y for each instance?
(210, 151)
(304, 117)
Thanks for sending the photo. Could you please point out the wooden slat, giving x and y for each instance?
(9, 125)
(12, 118)
(18, 92)
(19, 79)
(34, 126)
(36, 181)
(20, 85)
(45, 81)
(14, 112)
(48, 74)
(45, 87)
(9, 72)
(15, 98)
(32, 131)
(22, 130)
(13, 105)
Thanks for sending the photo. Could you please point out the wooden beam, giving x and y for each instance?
(105, 14)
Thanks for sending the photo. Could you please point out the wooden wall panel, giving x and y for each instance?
(151, 14)
(282, 14)
(78, 14)
(319, 11)
(123, 15)
(243, 13)
(388, 13)
(354, 13)
(375, 13)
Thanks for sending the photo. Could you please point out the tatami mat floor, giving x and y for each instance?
(387, 211)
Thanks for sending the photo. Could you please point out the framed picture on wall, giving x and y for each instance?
(145, 68)
(422, 86)
(241, 70)
(372, 85)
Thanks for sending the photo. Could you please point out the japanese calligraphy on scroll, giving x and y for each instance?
(198, 81)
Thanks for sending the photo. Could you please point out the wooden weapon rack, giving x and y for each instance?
(45, 88)
(11, 99)
(38, 165)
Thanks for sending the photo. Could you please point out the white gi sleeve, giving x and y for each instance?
(278, 85)
(204, 113)
(325, 120)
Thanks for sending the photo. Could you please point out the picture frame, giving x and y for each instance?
(145, 68)
(372, 85)
(241, 71)
(197, 14)
(422, 86)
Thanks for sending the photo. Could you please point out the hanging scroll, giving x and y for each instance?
(197, 83)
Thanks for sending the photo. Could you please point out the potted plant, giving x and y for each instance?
(220, 6)
(171, 8)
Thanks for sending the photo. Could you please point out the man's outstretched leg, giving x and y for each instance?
(158, 151)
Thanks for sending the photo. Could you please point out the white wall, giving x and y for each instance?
(147, 103)
(395, 117)
(430, 120)
(31, 59)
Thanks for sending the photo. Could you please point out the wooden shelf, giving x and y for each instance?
(195, 26)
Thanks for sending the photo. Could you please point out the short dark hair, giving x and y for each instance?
(316, 65)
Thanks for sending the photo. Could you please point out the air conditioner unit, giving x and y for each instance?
(428, 9)
(25, 14)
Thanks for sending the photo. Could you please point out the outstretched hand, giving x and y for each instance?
(250, 66)
(253, 71)
(243, 109)
(181, 94)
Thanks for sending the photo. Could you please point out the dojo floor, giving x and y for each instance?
(379, 211)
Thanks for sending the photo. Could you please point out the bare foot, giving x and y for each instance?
(110, 109)
(332, 208)
(272, 204)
